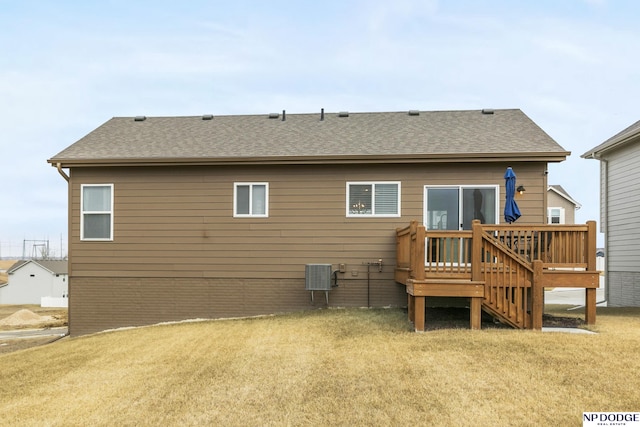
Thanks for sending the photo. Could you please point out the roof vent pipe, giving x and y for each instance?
(284, 115)
(321, 114)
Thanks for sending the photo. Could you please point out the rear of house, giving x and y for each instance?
(175, 218)
(619, 158)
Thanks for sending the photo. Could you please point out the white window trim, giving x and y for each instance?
(250, 214)
(562, 214)
(82, 214)
(374, 215)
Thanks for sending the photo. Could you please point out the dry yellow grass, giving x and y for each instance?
(330, 367)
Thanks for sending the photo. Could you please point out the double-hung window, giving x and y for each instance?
(251, 199)
(369, 199)
(96, 217)
(555, 215)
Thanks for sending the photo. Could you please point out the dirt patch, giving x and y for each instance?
(24, 317)
(31, 317)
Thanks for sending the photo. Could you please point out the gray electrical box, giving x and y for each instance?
(317, 277)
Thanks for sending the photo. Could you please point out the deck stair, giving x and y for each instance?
(501, 269)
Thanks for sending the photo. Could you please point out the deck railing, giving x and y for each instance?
(509, 259)
(557, 246)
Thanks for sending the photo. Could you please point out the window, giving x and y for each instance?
(555, 216)
(251, 199)
(96, 219)
(373, 199)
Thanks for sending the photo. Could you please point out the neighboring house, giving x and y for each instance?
(175, 218)
(619, 158)
(561, 208)
(30, 281)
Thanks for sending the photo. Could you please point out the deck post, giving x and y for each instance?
(419, 322)
(411, 308)
(476, 251)
(537, 296)
(590, 293)
(590, 306)
(591, 245)
(476, 312)
(476, 272)
(413, 225)
(420, 255)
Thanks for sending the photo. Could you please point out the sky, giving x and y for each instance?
(67, 66)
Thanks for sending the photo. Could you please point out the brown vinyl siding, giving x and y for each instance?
(177, 222)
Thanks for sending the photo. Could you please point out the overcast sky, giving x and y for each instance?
(66, 67)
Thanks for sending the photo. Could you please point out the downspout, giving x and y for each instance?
(605, 162)
(66, 178)
(61, 172)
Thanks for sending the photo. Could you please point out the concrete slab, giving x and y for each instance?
(33, 333)
(574, 296)
(567, 330)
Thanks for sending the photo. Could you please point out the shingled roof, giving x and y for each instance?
(474, 135)
(621, 138)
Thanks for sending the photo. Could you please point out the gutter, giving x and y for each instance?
(309, 160)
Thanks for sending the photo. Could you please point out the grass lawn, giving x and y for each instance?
(327, 367)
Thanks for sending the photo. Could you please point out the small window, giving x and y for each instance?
(555, 215)
(96, 218)
(251, 200)
(373, 199)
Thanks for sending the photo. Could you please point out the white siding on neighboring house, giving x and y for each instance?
(619, 158)
(623, 226)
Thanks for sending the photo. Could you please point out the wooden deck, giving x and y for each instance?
(501, 269)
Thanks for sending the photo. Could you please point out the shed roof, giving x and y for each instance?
(53, 265)
(621, 138)
(472, 135)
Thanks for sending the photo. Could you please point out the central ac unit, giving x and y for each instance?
(317, 277)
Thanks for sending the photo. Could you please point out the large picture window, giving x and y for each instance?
(373, 199)
(251, 199)
(96, 218)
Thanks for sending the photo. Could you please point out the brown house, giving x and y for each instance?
(176, 218)
(561, 207)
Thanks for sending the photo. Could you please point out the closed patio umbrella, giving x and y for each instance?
(511, 210)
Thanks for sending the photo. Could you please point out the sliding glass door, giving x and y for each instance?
(454, 208)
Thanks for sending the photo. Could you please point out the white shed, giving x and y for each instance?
(30, 281)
